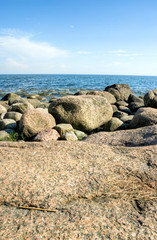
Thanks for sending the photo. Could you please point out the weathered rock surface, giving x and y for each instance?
(144, 117)
(150, 98)
(20, 107)
(133, 137)
(96, 192)
(62, 128)
(34, 121)
(47, 135)
(113, 124)
(7, 124)
(120, 91)
(110, 98)
(4, 135)
(135, 102)
(13, 115)
(84, 113)
(9, 96)
(2, 109)
(69, 136)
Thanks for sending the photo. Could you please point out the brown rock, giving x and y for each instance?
(94, 192)
(47, 135)
(133, 137)
(34, 121)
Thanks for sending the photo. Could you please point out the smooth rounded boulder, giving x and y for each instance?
(144, 117)
(150, 99)
(34, 121)
(84, 112)
(120, 91)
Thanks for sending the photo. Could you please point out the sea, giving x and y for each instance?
(56, 85)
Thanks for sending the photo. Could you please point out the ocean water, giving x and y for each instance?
(55, 85)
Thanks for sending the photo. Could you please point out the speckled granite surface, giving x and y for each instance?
(96, 192)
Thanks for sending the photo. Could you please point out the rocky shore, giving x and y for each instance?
(57, 187)
(75, 117)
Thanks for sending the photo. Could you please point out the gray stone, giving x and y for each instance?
(69, 136)
(80, 135)
(2, 109)
(84, 112)
(125, 109)
(7, 124)
(62, 128)
(120, 91)
(122, 103)
(111, 99)
(144, 117)
(113, 124)
(13, 115)
(150, 99)
(119, 114)
(20, 107)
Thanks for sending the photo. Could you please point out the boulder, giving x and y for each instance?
(119, 114)
(122, 103)
(46, 135)
(135, 102)
(34, 121)
(84, 112)
(35, 103)
(144, 117)
(79, 134)
(20, 107)
(113, 124)
(120, 91)
(62, 128)
(4, 135)
(69, 136)
(18, 99)
(7, 124)
(131, 137)
(9, 96)
(124, 109)
(2, 109)
(111, 99)
(150, 99)
(13, 115)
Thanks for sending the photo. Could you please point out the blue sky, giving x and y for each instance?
(78, 36)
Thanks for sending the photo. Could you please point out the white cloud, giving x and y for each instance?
(14, 64)
(24, 53)
(117, 63)
(123, 53)
(84, 52)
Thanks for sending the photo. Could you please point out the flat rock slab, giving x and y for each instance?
(134, 137)
(94, 192)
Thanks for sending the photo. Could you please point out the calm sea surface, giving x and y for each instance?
(51, 85)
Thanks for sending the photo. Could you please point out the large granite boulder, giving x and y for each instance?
(34, 121)
(144, 117)
(120, 91)
(82, 112)
(111, 99)
(9, 96)
(150, 99)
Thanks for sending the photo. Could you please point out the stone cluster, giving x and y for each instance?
(75, 117)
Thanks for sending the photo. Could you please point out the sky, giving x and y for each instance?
(117, 37)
